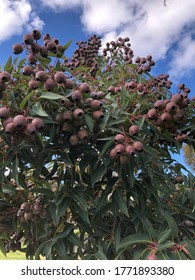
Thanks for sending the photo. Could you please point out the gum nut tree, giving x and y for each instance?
(86, 170)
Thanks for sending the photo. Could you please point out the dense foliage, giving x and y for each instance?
(86, 168)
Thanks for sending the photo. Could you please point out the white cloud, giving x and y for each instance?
(35, 22)
(183, 58)
(16, 17)
(152, 27)
(58, 5)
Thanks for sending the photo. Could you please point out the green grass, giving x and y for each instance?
(13, 256)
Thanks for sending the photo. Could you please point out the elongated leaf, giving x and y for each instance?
(58, 65)
(100, 254)
(102, 200)
(8, 66)
(15, 170)
(38, 110)
(83, 214)
(25, 100)
(65, 233)
(62, 207)
(130, 171)
(89, 121)
(8, 189)
(78, 198)
(97, 174)
(16, 60)
(63, 49)
(117, 235)
(73, 238)
(41, 249)
(171, 222)
(44, 191)
(9, 157)
(106, 147)
(53, 171)
(50, 95)
(2, 248)
(27, 156)
(121, 202)
(164, 235)
(21, 63)
(114, 122)
(136, 238)
(190, 246)
(13, 99)
(43, 60)
(60, 248)
(165, 245)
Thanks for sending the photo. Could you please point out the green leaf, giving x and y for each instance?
(141, 122)
(104, 122)
(164, 235)
(117, 235)
(61, 209)
(15, 169)
(106, 147)
(27, 156)
(102, 200)
(13, 99)
(73, 238)
(53, 171)
(41, 249)
(171, 222)
(8, 66)
(190, 246)
(97, 174)
(61, 250)
(8, 189)
(68, 227)
(100, 254)
(114, 122)
(2, 248)
(16, 60)
(58, 66)
(136, 238)
(44, 191)
(89, 121)
(63, 49)
(21, 63)
(38, 110)
(117, 196)
(78, 198)
(25, 100)
(50, 95)
(165, 245)
(130, 171)
(8, 158)
(83, 214)
(43, 60)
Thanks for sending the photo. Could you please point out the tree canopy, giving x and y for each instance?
(85, 166)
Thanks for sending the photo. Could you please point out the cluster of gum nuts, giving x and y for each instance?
(125, 147)
(72, 117)
(32, 211)
(20, 127)
(167, 114)
(36, 71)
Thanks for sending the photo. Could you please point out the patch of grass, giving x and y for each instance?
(13, 256)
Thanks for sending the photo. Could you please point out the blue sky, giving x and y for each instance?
(165, 32)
